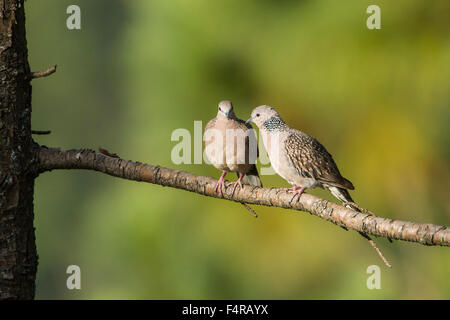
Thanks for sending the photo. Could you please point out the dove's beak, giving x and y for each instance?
(249, 120)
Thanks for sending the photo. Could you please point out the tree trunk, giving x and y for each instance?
(18, 257)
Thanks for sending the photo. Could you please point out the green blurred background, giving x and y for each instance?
(377, 99)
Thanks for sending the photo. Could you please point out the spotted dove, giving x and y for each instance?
(298, 158)
(303, 161)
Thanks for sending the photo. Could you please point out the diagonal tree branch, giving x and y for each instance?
(426, 234)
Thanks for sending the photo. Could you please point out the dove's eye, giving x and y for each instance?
(257, 114)
(220, 109)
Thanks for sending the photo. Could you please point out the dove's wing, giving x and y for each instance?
(312, 160)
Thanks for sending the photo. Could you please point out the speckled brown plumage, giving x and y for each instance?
(312, 160)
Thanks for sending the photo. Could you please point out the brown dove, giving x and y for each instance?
(230, 146)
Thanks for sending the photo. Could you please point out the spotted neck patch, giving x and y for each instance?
(274, 123)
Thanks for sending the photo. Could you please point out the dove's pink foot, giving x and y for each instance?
(294, 189)
(221, 183)
(238, 182)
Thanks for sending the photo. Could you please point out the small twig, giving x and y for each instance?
(40, 132)
(374, 245)
(107, 153)
(354, 206)
(253, 212)
(41, 74)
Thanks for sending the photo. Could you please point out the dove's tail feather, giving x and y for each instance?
(252, 177)
(342, 194)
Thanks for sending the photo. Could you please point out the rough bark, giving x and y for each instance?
(18, 258)
(426, 234)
